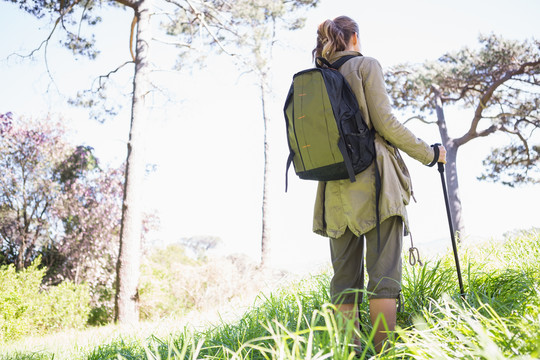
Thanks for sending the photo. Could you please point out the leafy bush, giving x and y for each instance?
(173, 284)
(26, 309)
(72, 207)
(296, 322)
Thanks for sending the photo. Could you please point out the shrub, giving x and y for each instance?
(173, 284)
(27, 309)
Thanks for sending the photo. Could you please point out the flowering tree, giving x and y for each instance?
(28, 191)
(68, 16)
(88, 212)
(56, 202)
(201, 21)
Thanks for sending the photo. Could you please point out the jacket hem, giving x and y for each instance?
(334, 234)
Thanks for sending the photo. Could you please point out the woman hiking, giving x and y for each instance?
(345, 211)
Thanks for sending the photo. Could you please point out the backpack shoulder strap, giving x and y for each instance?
(342, 60)
(291, 152)
(322, 62)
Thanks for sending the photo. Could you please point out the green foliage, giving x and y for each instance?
(289, 309)
(29, 151)
(17, 289)
(102, 311)
(498, 82)
(500, 318)
(27, 309)
(506, 275)
(173, 284)
(163, 290)
(505, 165)
(450, 330)
(57, 203)
(77, 164)
(424, 283)
(62, 306)
(249, 27)
(28, 356)
(501, 315)
(70, 16)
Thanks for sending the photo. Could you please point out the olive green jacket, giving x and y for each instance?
(341, 204)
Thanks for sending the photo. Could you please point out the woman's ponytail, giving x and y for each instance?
(333, 36)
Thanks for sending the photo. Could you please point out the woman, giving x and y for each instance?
(345, 211)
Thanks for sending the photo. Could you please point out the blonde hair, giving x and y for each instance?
(334, 35)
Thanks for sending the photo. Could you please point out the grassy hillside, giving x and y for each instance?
(499, 319)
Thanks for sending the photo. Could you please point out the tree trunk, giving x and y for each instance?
(451, 169)
(129, 258)
(19, 265)
(265, 236)
(453, 189)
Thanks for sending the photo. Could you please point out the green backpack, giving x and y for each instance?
(327, 136)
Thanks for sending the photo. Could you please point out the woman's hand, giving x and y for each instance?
(442, 154)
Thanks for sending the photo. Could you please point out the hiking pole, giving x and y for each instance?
(452, 236)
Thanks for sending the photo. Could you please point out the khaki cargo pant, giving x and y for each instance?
(384, 268)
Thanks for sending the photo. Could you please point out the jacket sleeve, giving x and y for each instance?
(382, 118)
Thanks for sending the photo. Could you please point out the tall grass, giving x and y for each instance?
(499, 319)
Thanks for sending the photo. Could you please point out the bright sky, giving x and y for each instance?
(207, 137)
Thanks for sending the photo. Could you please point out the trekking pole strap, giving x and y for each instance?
(436, 157)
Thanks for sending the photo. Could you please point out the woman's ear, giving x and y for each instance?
(357, 46)
(354, 42)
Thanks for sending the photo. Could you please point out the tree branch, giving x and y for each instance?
(484, 100)
(200, 16)
(421, 119)
(129, 3)
(461, 95)
(490, 130)
(167, 42)
(82, 16)
(523, 90)
(523, 140)
(177, 4)
(112, 72)
(133, 24)
(45, 43)
(222, 26)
